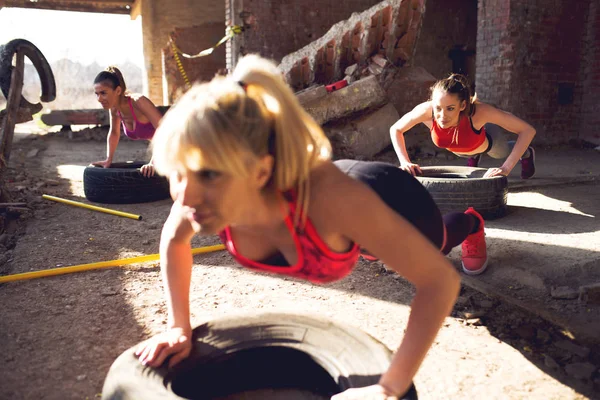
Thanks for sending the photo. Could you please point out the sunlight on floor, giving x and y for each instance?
(572, 240)
(72, 173)
(525, 199)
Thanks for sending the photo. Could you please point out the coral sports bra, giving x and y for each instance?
(316, 262)
(463, 138)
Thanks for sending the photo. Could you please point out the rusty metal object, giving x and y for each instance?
(18, 109)
(28, 49)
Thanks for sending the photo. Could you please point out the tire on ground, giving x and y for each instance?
(123, 183)
(455, 189)
(263, 356)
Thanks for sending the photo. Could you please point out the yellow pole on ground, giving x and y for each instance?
(91, 207)
(97, 265)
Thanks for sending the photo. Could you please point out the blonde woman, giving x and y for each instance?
(458, 123)
(247, 163)
(138, 115)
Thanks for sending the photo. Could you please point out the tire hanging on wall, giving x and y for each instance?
(123, 183)
(455, 189)
(246, 354)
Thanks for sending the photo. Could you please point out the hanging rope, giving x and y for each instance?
(230, 32)
(180, 65)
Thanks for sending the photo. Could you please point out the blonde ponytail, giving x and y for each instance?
(233, 120)
(300, 143)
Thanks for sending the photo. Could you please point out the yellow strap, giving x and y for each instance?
(180, 65)
(230, 32)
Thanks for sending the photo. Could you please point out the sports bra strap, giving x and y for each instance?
(132, 113)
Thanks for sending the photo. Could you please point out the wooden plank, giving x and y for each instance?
(108, 6)
(4, 205)
(93, 116)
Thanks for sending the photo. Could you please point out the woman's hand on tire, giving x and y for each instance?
(103, 164)
(495, 172)
(373, 392)
(147, 170)
(411, 168)
(176, 343)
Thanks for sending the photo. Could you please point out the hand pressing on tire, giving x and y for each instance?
(176, 343)
(496, 172)
(103, 164)
(411, 168)
(147, 170)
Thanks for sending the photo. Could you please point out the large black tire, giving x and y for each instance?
(264, 356)
(123, 183)
(455, 189)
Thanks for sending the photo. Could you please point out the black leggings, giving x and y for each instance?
(405, 194)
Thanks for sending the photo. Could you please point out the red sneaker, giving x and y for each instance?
(474, 161)
(474, 253)
(528, 165)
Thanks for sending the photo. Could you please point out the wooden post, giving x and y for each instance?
(7, 124)
(7, 128)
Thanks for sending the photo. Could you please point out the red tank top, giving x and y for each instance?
(316, 262)
(463, 138)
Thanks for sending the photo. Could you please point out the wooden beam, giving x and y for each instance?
(136, 9)
(108, 7)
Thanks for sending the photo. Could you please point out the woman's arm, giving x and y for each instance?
(176, 267)
(154, 116)
(364, 218)
(525, 132)
(112, 139)
(420, 113)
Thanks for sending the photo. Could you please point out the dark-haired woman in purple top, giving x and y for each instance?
(138, 115)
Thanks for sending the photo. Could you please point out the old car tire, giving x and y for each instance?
(239, 354)
(455, 189)
(123, 183)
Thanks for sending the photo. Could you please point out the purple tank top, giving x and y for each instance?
(140, 130)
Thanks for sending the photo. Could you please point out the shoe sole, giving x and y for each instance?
(477, 271)
(369, 258)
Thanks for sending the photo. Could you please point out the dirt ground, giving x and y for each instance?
(59, 335)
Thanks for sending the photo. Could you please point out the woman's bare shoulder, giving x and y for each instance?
(329, 186)
(136, 96)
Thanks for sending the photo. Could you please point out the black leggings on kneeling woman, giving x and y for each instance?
(405, 194)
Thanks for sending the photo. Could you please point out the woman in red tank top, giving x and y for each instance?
(138, 115)
(468, 128)
(246, 162)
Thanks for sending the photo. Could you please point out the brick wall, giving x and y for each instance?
(447, 24)
(590, 76)
(529, 58)
(159, 19)
(277, 28)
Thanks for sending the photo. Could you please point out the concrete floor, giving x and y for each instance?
(548, 241)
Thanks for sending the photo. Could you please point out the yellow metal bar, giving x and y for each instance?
(91, 207)
(103, 264)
